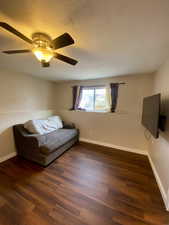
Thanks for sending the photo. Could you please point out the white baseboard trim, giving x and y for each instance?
(6, 157)
(164, 195)
(123, 148)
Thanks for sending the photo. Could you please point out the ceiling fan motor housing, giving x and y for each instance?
(42, 40)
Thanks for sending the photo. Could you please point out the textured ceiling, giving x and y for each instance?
(111, 37)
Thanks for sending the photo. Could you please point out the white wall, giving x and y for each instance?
(22, 97)
(123, 128)
(159, 148)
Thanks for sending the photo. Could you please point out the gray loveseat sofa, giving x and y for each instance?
(45, 148)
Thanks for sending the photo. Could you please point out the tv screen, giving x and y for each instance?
(151, 114)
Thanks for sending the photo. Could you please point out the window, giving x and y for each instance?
(94, 99)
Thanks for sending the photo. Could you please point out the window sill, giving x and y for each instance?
(91, 111)
(117, 112)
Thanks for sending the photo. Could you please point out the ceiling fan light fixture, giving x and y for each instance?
(43, 54)
(43, 46)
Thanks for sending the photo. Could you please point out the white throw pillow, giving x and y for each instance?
(44, 126)
(35, 126)
(56, 121)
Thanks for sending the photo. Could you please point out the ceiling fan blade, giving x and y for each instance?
(17, 51)
(62, 41)
(66, 59)
(15, 32)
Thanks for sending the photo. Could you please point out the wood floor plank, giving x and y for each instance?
(88, 185)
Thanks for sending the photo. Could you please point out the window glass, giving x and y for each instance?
(100, 99)
(94, 99)
(87, 100)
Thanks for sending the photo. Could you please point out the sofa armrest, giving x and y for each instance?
(37, 139)
(68, 125)
(29, 141)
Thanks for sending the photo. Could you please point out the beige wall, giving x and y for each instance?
(22, 97)
(122, 128)
(159, 148)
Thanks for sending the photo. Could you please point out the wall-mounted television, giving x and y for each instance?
(151, 114)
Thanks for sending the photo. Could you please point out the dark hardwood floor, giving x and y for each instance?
(88, 185)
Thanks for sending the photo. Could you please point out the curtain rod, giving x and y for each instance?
(122, 83)
(97, 85)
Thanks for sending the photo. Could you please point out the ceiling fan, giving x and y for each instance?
(43, 47)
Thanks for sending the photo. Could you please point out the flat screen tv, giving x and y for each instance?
(151, 114)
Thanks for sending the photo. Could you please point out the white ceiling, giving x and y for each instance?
(112, 37)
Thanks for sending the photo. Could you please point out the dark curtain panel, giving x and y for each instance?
(78, 99)
(74, 97)
(114, 95)
(77, 95)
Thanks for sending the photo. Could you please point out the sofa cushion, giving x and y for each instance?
(56, 139)
(43, 126)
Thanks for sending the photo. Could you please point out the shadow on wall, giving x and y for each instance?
(7, 142)
(165, 111)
